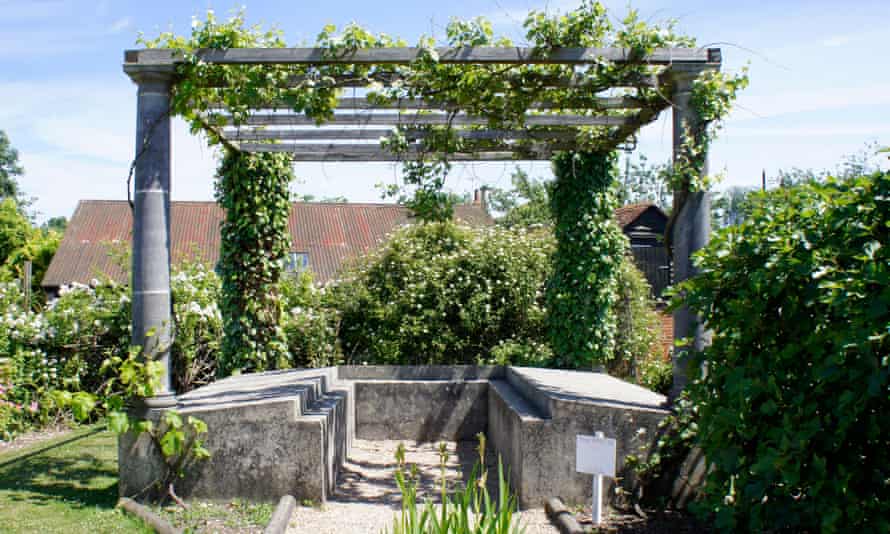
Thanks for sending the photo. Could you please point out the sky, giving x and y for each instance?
(820, 86)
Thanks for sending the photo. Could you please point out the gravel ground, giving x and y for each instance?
(367, 498)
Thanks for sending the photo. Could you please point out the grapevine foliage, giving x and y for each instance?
(582, 290)
(253, 190)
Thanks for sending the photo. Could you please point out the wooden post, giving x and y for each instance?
(152, 310)
(691, 227)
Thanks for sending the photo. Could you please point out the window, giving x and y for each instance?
(296, 262)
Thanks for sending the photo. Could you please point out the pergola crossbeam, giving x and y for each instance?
(421, 119)
(603, 103)
(503, 55)
(369, 152)
(320, 134)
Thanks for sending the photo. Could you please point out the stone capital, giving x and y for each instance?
(151, 74)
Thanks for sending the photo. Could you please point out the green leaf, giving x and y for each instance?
(173, 419)
(118, 422)
(172, 443)
(82, 404)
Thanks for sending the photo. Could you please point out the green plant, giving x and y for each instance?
(442, 293)
(310, 324)
(253, 190)
(467, 509)
(638, 352)
(791, 408)
(581, 292)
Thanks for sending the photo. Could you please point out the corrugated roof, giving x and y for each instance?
(631, 212)
(99, 234)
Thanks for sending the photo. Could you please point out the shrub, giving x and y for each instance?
(198, 326)
(66, 346)
(638, 352)
(310, 326)
(437, 293)
(792, 409)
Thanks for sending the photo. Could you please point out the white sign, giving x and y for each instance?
(595, 455)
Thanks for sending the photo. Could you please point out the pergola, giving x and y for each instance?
(354, 132)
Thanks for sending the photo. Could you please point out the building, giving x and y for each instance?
(644, 225)
(323, 236)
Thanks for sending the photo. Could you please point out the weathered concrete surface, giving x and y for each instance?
(289, 432)
(420, 410)
(420, 372)
(269, 434)
(538, 434)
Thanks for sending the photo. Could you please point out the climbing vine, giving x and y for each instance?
(582, 289)
(253, 190)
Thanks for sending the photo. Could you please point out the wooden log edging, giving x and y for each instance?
(561, 517)
(281, 517)
(158, 523)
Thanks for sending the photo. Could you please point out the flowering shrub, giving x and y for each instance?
(66, 347)
(438, 293)
(198, 324)
(309, 324)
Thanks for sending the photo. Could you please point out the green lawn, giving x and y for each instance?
(66, 485)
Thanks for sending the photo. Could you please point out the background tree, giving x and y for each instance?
(645, 182)
(9, 168)
(526, 204)
(59, 224)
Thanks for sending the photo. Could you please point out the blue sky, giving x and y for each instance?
(820, 86)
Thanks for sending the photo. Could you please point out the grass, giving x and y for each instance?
(235, 516)
(66, 485)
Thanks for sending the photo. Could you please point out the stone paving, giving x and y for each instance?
(367, 498)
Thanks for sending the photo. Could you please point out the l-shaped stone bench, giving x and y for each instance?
(288, 432)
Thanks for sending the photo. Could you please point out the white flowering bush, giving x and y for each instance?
(438, 293)
(67, 346)
(198, 323)
(310, 324)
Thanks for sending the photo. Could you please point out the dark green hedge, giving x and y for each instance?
(793, 410)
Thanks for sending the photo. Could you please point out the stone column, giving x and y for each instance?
(691, 227)
(152, 306)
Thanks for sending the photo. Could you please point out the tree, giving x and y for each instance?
(526, 204)
(58, 224)
(645, 182)
(15, 228)
(9, 168)
(730, 207)
(860, 163)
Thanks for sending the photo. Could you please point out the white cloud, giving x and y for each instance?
(120, 25)
(786, 102)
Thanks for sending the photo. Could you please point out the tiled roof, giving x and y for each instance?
(629, 213)
(100, 230)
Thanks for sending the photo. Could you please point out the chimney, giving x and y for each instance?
(480, 197)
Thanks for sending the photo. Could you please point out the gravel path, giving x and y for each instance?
(367, 498)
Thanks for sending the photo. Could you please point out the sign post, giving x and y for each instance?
(596, 455)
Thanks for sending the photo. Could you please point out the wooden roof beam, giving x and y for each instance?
(402, 56)
(417, 119)
(337, 152)
(322, 134)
